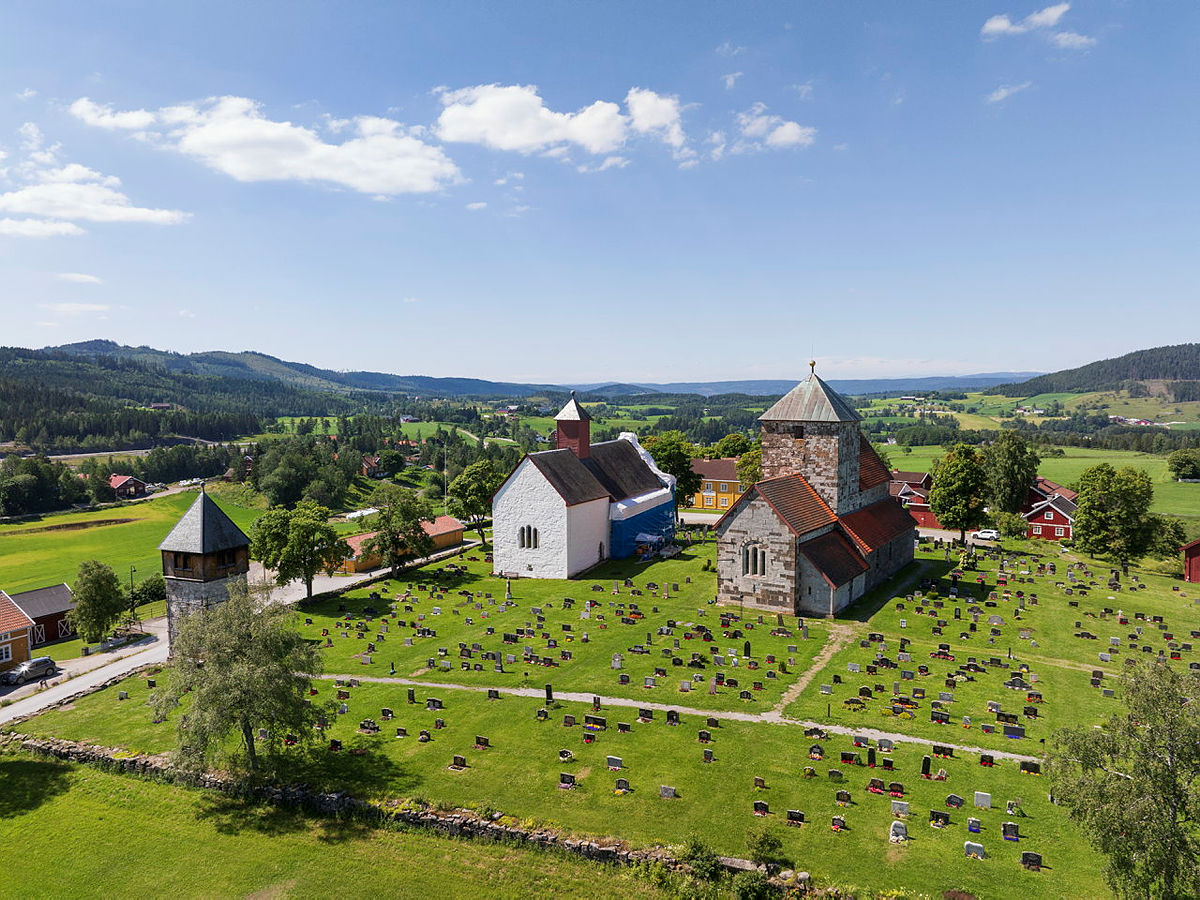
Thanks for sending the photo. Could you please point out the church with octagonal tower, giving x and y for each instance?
(565, 510)
(819, 530)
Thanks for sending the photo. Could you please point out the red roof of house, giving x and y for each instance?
(793, 500)
(724, 469)
(874, 526)
(442, 525)
(356, 542)
(871, 470)
(1048, 487)
(12, 617)
(835, 558)
(909, 477)
(1194, 545)
(116, 481)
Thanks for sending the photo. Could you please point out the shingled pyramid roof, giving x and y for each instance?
(204, 528)
(573, 412)
(812, 400)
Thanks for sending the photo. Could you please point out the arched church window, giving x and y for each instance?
(754, 560)
(527, 537)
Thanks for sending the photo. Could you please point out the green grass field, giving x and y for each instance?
(135, 838)
(48, 550)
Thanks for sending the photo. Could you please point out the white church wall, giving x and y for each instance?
(587, 531)
(527, 498)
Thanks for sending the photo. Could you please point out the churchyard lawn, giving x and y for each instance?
(84, 831)
(518, 773)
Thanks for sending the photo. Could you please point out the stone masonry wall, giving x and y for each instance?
(825, 453)
(184, 597)
(757, 524)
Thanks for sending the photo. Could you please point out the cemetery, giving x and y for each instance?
(851, 768)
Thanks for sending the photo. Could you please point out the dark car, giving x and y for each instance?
(31, 670)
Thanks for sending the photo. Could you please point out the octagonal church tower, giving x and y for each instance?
(204, 554)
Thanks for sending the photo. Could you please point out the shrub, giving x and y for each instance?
(751, 886)
(702, 858)
(764, 847)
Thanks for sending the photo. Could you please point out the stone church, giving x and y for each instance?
(819, 530)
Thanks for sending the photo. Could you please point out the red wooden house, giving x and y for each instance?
(1050, 510)
(47, 607)
(912, 489)
(127, 487)
(1191, 561)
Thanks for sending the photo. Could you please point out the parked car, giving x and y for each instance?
(31, 670)
(987, 534)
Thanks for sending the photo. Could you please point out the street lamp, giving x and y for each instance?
(132, 599)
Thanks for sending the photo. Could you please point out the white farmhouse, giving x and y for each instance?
(565, 510)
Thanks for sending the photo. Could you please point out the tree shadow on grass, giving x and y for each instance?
(25, 784)
(233, 815)
(364, 774)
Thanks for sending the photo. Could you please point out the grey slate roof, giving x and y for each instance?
(568, 476)
(812, 400)
(621, 469)
(573, 412)
(614, 471)
(204, 528)
(45, 601)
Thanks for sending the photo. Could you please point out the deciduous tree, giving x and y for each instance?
(673, 453)
(959, 490)
(1113, 518)
(749, 466)
(1132, 785)
(298, 543)
(242, 666)
(1011, 466)
(99, 600)
(732, 445)
(471, 493)
(399, 532)
(1184, 463)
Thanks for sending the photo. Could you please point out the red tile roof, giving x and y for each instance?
(835, 558)
(1048, 487)
(876, 525)
(442, 525)
(871, 470)
(795, 502)
(115, 481)
(909, 477)
(716, 469)
(12, 618)
(356, 542)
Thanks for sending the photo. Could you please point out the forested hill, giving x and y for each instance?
(1179, 363)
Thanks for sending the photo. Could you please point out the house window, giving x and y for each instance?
(708, 485)
(5, 652)
(1059, 532)
(181, 562)
(754, 560)
(527, 537)
(1037, 529)
(724, 488)
(708, 501)
(724, 501)
(1049, 516)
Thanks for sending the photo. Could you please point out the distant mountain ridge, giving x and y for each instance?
(248, 364)
(1176, 363)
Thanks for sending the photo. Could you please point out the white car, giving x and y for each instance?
(987, 534)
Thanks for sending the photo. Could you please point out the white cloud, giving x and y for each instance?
(1005, 91)
(411, 300)
(90, 201)
(186, 314)
(511, 176)
(759, 130)
(1069, 40)
(730, 49)
(656, 114)
(717, 140)
(79, 278)
(610, 162)
(1038, 22)
(479, 204)
(75, 309)
(730, 80)
(231, 135)
(514, 117)
(27, 94)
(39, 228)
(804, 90)
(103, 116)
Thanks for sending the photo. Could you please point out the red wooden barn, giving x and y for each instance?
(912, 489)
(48, 608)
(1191, 561)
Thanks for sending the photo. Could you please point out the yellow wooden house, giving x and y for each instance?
(719, 487)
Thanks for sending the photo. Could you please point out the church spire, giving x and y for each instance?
(573, 429)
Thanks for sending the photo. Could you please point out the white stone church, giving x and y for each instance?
(563, 511)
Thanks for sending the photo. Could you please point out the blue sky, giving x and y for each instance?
(583, 192)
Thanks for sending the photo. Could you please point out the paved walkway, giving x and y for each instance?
(771, 717)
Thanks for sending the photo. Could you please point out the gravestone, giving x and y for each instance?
(983, 800)
(666, 792)
(973, 850)
(898, 833)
